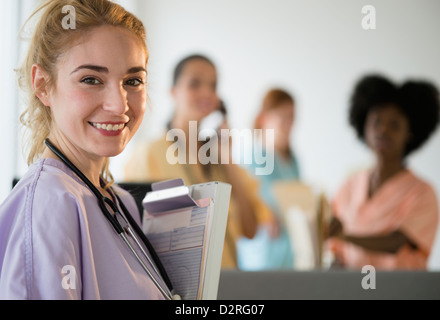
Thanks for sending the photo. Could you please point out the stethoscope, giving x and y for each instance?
(128, 220)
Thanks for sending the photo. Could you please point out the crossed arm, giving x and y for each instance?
(388, 243)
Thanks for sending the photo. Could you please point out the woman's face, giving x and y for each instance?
(387, 131)
(281, 121)
(99, 98)
(195, 93)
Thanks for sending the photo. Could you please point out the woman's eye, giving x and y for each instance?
(91, 81)
(395, 125)
(134, 82)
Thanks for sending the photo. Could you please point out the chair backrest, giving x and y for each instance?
(138, 191)
(14, 182)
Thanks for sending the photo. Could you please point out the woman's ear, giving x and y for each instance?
(40, 84)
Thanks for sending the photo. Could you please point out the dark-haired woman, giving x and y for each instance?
(387, 216)
(195, 97)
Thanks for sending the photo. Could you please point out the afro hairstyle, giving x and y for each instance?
(418, 100)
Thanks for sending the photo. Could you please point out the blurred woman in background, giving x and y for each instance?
(387, 216)
(195, 97)
(271, 249)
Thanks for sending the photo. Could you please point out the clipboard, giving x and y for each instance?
(186, 225)
(167, 195)
(305, 211)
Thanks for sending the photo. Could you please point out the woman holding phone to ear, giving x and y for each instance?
(86, 99)
(194, 92)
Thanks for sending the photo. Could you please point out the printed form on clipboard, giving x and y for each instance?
(186, 225)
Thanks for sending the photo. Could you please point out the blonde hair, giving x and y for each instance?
(49, 41)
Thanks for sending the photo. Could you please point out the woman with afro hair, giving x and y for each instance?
(387, 216)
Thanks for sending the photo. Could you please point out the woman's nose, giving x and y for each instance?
(116, 100)
(382, 128)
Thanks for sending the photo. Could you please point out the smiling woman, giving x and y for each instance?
(94, 88)
(56, 41)
(86, 100)
(79, 63)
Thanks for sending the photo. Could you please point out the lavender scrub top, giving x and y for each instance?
(55, 243)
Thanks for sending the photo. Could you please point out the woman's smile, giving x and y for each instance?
(109, 128)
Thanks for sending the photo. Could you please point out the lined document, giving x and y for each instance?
(186, 225)
(179, 238)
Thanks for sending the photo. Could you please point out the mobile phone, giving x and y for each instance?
(210, 124)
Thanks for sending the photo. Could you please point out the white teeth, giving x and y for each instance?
(108, 127)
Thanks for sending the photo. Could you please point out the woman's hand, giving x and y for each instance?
(245, 208)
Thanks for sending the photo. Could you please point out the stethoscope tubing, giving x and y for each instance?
(102, 202)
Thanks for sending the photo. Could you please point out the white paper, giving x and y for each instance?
(179, 238)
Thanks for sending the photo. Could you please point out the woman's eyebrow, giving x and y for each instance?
(105, 69)
(91, 67)
(136, 70)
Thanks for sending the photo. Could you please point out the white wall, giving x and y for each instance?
(13, 13)
(9, 98)
(316, 49)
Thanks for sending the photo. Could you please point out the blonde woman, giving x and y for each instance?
(87, 99)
